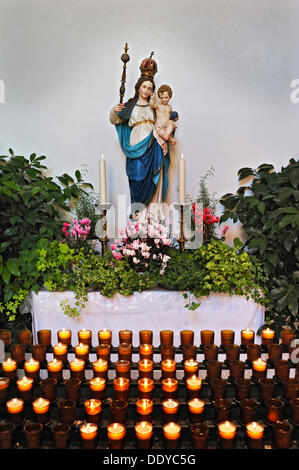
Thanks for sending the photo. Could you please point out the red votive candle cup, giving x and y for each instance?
(145, 388)
(146, 369)
(253, 352)
(193, 385)
(196, 409)
(145, 337)
(247, 337)
(236, 370)
(25, 388)
(97, 387)
(218, 387)
(105, 336)
(187, 337)
(24, 337)
(268, 336)
(169, 388)
(207, 337)
(73, 389)
(282, 370)
(67, 411)
(41, 409)
(189, 352)
(103, 351)
(199, 435)
(14, 408)
(248, 410)
(144, 409)
(89, 435)
(39, 352)
(44, 337)
(6, 435)
(227, 337)
(116, 433)
(121, 388)
(254, 433)
(213, 370)
(18, 353)
(243, 387)
(274, 410)
(232, 352)
(32, 433)
(4, 388)
(168, 368)
(85, 336)
(64, 336)
(146, 351)
(170, 410)
(172, 434)
(125, 352)
(118, 411)
(61, 434)
(166, 338)
(123, 369)
(100, 368)
(93, 410)
(274, 352)
(211, 352)
(227, 433)
(49, 388)
(144, 434)
(125, 336)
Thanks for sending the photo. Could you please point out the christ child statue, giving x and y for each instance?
(164, 126)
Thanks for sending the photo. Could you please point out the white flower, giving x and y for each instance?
(135, 260)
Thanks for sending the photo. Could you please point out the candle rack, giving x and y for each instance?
(205, 394)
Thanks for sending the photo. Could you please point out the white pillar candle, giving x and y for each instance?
(103, 188)
(182, 180)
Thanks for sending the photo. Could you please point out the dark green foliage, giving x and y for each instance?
(269, 212)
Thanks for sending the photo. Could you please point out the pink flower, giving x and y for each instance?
(135, 260)
(113, 246)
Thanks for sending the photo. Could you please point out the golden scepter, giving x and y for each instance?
(125, 58)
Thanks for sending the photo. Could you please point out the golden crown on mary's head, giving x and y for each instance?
(148, 67)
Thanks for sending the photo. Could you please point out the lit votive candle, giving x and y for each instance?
(193, 384)
(146, 368)
(65, 336)
(55, 368)
(89, 435)
(25, 388)
(196, 410)
(97, 387)
(247, 337)
(145, 388)
(32, 368)
(267, 336)
(259, 369)
(84, 336)
(105, 336)
(170, 410)
(77, 369)
(227, 433)
(144, 409)
(100, 368)
(93, 409)
(172, 434)
(60, 352)
(144, 434)
(9, 369)
(116, 433)
(4, 388)
(14, 408)
(254, 432)
(41, 407)
(190, 367)
(169, 388)
(168, 368)
(146, 351)
(82, 351)
(121, 388)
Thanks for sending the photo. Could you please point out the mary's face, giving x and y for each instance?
(146, 89)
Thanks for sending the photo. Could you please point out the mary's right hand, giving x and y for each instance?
(119, 107)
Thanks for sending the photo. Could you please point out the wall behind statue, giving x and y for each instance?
(230, 64)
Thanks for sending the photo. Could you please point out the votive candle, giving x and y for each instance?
(105, 336)
(32, 368)
(100, 368)
(121, 388)
(82, 351)
(254, 432)
(144, 434)
(247, 337)
(168, 368)
(196, 410)
(55, 368)
(145, 388)
(97, 387)
(77, 369)
(64, 336)
(84, 336)
(146, 368)
(144, 409)
(25, 388)
(169, 388)
(267, 336)
(41, 407)
(259, 368)
(172, 434)
(9, 369)
(89, 435)
(170, 410)
(93, 409)
(116, 433)
(14, 409)
(60, 351)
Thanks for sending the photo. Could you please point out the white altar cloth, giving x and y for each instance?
(154, 310)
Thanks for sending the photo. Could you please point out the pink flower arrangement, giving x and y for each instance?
(77, 231)
(142, 243)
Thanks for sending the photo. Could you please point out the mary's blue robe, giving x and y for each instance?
(144, 162)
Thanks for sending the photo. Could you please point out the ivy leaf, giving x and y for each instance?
(12, 267)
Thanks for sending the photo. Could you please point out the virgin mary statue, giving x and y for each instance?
(146, 165)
